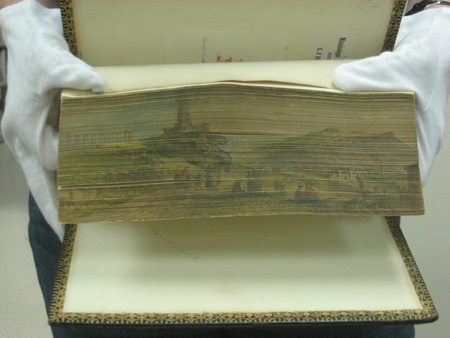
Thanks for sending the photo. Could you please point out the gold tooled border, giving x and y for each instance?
(68, 20)
(70, 33)
(57, 315)
(398, 10)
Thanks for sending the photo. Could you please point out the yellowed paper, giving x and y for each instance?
(306, 73)
(135, 32)
(244, 264)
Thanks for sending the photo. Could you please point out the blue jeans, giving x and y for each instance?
(46, 248)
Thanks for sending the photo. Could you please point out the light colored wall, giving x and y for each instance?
(428, 237)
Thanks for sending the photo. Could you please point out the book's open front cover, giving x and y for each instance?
(285, 269)
(197, 31)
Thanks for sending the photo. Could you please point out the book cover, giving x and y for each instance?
(291, 270)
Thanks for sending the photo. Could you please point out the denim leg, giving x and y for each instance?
(46, 247)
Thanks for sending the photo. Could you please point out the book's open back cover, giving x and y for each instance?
(238, 271)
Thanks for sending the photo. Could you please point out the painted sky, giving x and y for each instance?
(270, 117)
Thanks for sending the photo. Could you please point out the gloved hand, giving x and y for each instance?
(39, 65)
(420, 63)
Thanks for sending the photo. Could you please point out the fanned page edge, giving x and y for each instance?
(311, 74)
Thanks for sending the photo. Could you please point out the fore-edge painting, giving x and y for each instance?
(233, 149)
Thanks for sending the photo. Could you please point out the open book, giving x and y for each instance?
(235, 139)
(196, 144)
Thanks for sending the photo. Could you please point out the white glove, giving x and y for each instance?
(420, 63)
(39, 64)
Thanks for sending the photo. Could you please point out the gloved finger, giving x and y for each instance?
(54, 67)
(402, 70)
(75, 74)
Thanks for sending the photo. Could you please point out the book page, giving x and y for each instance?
(306, 73)
(244, 264)
(117, 32)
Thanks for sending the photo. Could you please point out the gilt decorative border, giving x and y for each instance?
(68, 20)
(57, 315)
(398, 10)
